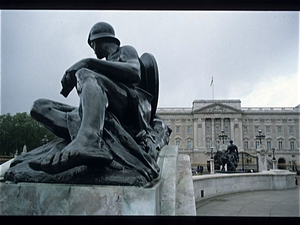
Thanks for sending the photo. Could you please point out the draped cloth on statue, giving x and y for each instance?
(131, 164)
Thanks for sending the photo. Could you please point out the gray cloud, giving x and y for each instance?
(239, 49)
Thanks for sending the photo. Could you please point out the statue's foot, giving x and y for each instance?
(50, 160)
(79, 152)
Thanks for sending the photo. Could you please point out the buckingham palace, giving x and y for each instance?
(210, 124)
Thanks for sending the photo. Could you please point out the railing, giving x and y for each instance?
(268, 109)
(159, 110)
(186, 109)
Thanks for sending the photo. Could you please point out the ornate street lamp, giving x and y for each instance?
(273, 149)
(260, 136)
(223, 136)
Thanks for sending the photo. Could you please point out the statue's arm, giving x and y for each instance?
(126, 71)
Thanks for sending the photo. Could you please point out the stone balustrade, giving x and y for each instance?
(221, 184)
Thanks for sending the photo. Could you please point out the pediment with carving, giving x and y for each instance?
(217, 108)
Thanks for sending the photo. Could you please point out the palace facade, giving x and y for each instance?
(209, 123)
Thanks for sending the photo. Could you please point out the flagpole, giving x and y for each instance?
(212, 84)
(213, 90)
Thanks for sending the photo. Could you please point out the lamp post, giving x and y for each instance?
(274, 160)
(211, 161)
(222, 136)
(260, 136)
(273, 149)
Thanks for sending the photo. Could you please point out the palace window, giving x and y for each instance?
(268, 130)
(245, 130)
(178, 142)
(217, 129)
(189, 145)
(279, 130)
(207, 129)
(208, 144)
(218, 145)
(226, 129)
(177, 129)
(269, 145)
(291, 130)
(292, 145)
(280, 144)
(246, 145)
(188, 129)
(256, 130)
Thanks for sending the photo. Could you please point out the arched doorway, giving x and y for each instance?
(281, 164)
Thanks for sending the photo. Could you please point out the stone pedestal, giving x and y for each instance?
(65, 199)
(274, 161)
(212, 166)
(262, 158)
(171, 194)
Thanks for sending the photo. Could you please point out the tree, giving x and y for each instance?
(19, 130)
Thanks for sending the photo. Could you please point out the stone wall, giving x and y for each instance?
(220, 184)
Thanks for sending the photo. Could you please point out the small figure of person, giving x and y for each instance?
(201, 170)
(233, 150)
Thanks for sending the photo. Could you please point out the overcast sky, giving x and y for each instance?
(252, 56)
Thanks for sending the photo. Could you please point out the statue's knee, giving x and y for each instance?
(84, 76)
(84, 73)
(40, 107)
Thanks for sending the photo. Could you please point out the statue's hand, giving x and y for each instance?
(69, 80)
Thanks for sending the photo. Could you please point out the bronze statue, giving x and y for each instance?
(233, 150)
(229, 157)
(115, 135)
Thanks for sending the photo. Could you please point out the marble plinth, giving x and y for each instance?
(64, 199)
(171, 194)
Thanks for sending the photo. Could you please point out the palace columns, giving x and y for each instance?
(195, 133)
(241, 146)
(203, 133)
(212, 132)
(231, 137)
(222, 124)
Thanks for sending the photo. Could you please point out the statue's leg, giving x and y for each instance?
(96, 93)
(52, 115)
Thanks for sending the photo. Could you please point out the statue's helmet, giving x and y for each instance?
(102, 30)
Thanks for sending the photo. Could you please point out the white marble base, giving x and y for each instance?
(173, 194)
(185, 198)
(64, 199)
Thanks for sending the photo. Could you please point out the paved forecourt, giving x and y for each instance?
(266, 203)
